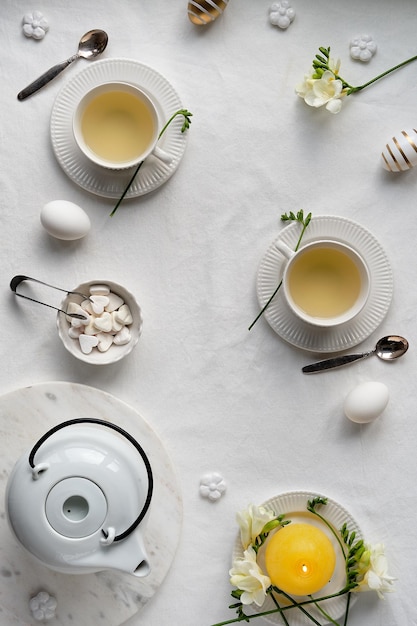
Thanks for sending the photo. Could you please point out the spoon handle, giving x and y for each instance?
(335, 361)
(45, 78)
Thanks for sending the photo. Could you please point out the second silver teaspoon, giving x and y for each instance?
(91, 45)
(387, 349)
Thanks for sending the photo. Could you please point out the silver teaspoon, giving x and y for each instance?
(91, 45)
(388, 348)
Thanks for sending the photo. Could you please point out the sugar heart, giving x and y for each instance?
(99, 290)
(74, 333)
(87, 343)
(115, 302)
(75, 322)
(104, 341)
(122, 337)
(116, 325)
(123, 315)
(90, 329)
(98, 303)
(104, 322)
(73, 307)
(86, 306)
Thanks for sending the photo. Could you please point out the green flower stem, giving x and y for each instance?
(186, 124)
(247, 618)
(299, 606)
(284, 619)
(305, 222)
(336, 535)
(330, 527)
(119, 202)
(326, 615)
(349, 595)
(321, 64)
(396, 67)
(262, 311)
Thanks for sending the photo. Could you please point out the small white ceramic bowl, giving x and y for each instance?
(115, 352)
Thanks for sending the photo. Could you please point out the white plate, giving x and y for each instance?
(294, 505)
(302, 335)
(95, 179)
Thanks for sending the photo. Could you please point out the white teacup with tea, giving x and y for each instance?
(116, 126)
(326, 283)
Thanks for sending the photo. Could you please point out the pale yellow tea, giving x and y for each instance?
(117, 126)
(324, 282)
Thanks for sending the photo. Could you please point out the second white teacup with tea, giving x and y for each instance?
(326, 283)
(116, 126)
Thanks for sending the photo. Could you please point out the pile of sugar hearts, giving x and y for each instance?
(106, 320)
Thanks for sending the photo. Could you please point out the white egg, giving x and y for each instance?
(366, 402)
(65, 220)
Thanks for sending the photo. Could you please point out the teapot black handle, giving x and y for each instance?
(132, 440)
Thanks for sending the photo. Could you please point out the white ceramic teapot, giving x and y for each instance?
(78, 502)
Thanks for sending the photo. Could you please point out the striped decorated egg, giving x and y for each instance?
(205, 11)
(400, 153)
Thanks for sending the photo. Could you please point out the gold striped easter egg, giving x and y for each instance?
(205, 11)
(400, 153)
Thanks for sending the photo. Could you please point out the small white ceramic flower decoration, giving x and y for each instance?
(281, 14)
(35, 25)
(362, 48)
(43, 606)
(212, 486)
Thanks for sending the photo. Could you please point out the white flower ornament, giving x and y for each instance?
(43, 606)
(212, 486)
(281, 14)
(362, 48)
(35, 25)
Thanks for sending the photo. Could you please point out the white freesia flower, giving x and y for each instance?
(324, 91)
(247, 576)
(373, 571)
(251, 522)
(325, 87)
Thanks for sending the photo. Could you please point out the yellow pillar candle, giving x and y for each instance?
(300, 559)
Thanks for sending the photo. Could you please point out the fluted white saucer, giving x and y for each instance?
(99, 180)
(315, 339)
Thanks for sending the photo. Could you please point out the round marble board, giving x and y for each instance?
(108, 597)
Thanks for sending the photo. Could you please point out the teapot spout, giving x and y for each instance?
(128, 555)
(142, 570)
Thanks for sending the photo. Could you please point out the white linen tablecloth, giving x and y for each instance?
(220, 397)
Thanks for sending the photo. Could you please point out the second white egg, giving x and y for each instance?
(65, 220)
(366, 402)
